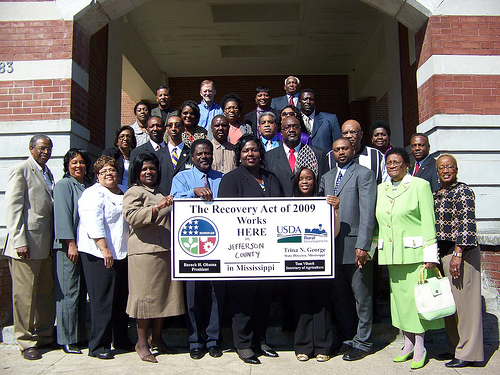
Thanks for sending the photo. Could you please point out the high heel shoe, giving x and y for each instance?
(147, 358)
(404, 357)
(416, 365)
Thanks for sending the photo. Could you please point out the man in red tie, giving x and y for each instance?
(425, 165)
(292, 89)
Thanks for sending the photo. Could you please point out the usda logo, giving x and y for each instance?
(198, 236)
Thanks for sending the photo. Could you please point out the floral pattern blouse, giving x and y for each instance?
(199, 133)
(456, 215)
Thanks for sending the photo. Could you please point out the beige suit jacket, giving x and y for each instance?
(28, 211)
(146, 235)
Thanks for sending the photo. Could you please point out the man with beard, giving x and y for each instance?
(203, 298)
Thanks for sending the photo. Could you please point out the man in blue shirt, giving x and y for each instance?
(203, 298)
(208, 108)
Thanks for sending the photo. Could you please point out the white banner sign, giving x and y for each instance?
(240, 238)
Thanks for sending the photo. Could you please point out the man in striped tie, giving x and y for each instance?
(352, 287)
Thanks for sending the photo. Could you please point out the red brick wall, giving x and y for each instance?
(35, 40)
(5, 293)
(332, 92)
(47, 99)
(461, 35)
(490, 263)
(457, 94)
(128, 104)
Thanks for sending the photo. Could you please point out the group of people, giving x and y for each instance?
(112, 232)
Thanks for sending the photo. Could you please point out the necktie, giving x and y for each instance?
(205, 181)
(337, 184)
(158, 146)
(417, 167)
(291, 100)
(291, 159)
(269, 145)
(174, 157)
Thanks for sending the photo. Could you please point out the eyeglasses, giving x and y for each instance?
(289, 127)
(396, 164)
(349, 132)
(286, 114)
(449, 167)
(174, 125)
(107, 171)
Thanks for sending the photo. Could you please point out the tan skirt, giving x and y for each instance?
(152, 294)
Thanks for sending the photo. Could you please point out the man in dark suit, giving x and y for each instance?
(156, 131)
(176, 149)
(324, 127)
(281, 160)
(28, 216)
(352, 286)
(425, 165)
(292, 88)
(262, 99)
(163, 98)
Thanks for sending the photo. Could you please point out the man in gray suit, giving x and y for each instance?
(28, 215)
(352, 287)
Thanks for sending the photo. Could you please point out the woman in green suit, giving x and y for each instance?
(406, 240)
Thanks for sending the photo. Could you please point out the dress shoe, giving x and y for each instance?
(344, 349)
(253, 360)
(446, 355)
(302, 357)
(31, 354)
(148, 357)
(403, 357)
(161, 346)
(102, 355)
(266, 351)
(71, 349)
(196, 353)
(354, 354)
(322, 357)
(416, 365)
(455, 363)
(215, 351)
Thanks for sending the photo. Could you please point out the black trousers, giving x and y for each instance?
(204, 305)
(312, 300)
(250, 303)
(108, 293)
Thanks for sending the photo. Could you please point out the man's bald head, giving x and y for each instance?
(351, 129)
